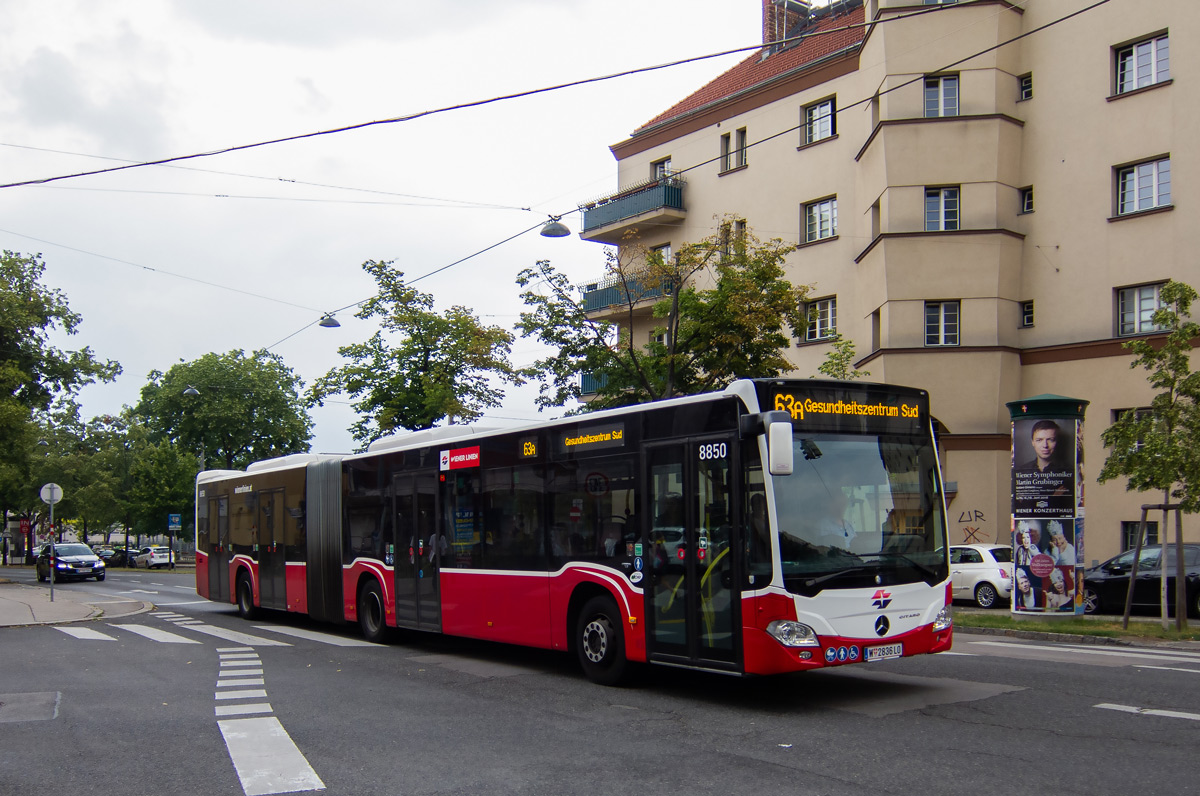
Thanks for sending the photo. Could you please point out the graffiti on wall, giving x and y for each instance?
(972, 525)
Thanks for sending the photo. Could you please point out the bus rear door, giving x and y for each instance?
(692, 599)
(218, 549)
(417, 559)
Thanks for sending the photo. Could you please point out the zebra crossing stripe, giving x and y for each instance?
(154, 634)
(85, 633)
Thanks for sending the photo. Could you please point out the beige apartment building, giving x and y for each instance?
(982, 197)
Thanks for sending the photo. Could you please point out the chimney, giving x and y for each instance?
(780, 16)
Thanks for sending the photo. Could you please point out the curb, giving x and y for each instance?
(1041, 635)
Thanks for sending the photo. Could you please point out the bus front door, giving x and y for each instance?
(272, 568)
(218, 549)
(692, 599)
(416, 563)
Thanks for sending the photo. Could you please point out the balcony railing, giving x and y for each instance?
(657, 194)
(611, 292)
(590, 385)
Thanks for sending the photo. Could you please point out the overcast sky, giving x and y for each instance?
(86, 85)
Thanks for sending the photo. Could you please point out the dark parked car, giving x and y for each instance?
(1105, 586)
(69, 561)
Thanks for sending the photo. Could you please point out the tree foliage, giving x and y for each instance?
(248, 408)
(33, 372)
(422, 366)
(1159, 449)
(702, 338)
(839, 361)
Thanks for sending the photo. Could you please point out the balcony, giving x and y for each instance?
(590, 385)
(612, 292)
(656, 201)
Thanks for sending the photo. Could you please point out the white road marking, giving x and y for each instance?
(1170, 714)
(86, 633)
(228, 664)
(235, 636)
(266, 758)
(241, 681)
(241, 673)
(154, 634)
(1177, 657)
(235, 649)
(193, 602)
(242, 710)
(232, 656)
(1167, 668)
(324, 638)
(249, 693)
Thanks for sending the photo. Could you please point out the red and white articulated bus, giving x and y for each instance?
(774, 526)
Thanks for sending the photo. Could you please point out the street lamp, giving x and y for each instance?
(554, 228)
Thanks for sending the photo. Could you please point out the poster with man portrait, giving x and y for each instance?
(1044, 467)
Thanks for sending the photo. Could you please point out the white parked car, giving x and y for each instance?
(981, 572)
(154, 556)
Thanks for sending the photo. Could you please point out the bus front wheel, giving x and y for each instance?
(370, 613)
(600, 642)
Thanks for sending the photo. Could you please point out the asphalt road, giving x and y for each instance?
(170, 702)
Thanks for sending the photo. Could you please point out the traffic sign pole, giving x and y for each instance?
(51, 494)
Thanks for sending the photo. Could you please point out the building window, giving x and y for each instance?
(820, 121)
(1144, 186)
(660, 169)
(1129, 533)
(1026, 314)
(941, 209)
(1024, 87)
(1135, 309)
(1141, 414)
(733, 150)
(1027, 200)
(820, 220)
(1143, 64)
(822, 319)
(941, 96)
(731, 234)
(941, 323)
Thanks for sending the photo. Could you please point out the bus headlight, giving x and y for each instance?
(793, 634)
(942, 621)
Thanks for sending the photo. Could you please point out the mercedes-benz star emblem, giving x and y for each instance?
(881, 626)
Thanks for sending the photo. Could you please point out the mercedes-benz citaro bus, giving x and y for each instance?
(774, 526)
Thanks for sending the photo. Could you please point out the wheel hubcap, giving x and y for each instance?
(595, 641)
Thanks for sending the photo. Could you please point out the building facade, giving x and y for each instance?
(985, 196)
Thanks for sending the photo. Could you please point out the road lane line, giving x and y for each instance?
(239, 682)
(266, 758)
(1166, 668)
(233, 656)
(1170, 714)
(242, 710)
(154, 634)
(1157, 654)
(324, 638)
(249, 693)
(193, 602)
(86, 633)
(234, 664)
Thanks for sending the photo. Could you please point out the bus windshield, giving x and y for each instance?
(858, 511)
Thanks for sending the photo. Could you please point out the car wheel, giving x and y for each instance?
(41, 578)
(245, 597)
(1091, 601)
(600, 642)
(100, 577)
(371, 614)
(985, 595)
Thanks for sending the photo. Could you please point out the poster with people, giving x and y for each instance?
(1045, 460)
(1047, 575)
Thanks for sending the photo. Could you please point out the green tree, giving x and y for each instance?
(422, 366)
(839, 361)
(32, 371)
(702, 338)
(244, 408)
(1160, 449)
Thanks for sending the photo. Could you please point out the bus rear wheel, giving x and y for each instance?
(600, 642)
(370, 613)
(245, 597)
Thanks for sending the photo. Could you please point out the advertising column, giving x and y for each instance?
(1047, 505)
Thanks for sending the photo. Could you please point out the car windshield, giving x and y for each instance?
(860, 510)
(72, 550)
(1002, 555)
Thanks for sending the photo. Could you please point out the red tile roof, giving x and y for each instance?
(754, 70)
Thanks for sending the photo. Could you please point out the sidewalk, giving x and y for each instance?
(22, 604)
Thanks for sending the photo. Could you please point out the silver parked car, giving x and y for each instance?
(981, 572)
